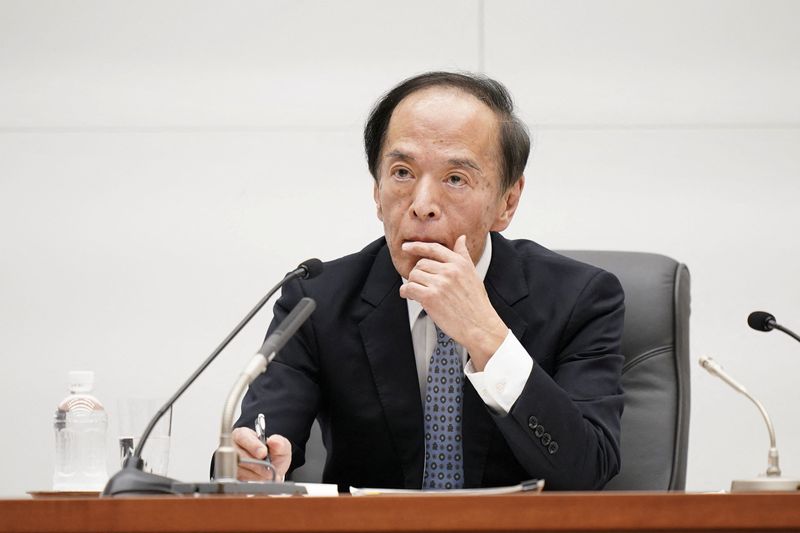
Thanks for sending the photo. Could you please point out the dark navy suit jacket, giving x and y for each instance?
(352, 366)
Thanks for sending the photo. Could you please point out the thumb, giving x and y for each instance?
(279, 446)
(461, 248)
(280, 453)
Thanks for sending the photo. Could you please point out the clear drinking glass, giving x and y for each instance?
(133, 416)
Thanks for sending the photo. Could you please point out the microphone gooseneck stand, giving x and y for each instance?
(226, 458)
(132, 479)
(772, 480)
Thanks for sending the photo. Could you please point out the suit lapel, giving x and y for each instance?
(387, 343)
(505, 285)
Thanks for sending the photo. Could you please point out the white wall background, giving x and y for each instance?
(163, 163)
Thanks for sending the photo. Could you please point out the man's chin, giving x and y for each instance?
(403, 264)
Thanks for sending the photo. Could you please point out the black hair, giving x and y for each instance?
(515, 144)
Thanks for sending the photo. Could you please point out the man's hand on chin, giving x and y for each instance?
(447, 286)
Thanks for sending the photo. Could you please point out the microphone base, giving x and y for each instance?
(240, 487)
(766, 484)
(131, 481)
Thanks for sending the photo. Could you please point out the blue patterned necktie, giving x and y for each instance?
(444, 458)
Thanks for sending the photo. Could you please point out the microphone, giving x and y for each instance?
(132, 479)
(225, 458)
(763, 321)
(773, 480)
(311, 268)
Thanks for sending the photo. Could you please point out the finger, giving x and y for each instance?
(279, 446)
(404, 292)
(250, 467)
(245, 474)
(422, 277)
(431, 250)
(415, 291)
(429, 265)
(247, 440)
(461, 248)
(280, 453)
(250, 471)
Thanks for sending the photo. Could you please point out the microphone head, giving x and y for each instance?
(761, 321)
(311, 268)
(708, 364)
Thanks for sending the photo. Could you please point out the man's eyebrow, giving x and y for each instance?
(456, 161)
(459, 162)
(397, 154)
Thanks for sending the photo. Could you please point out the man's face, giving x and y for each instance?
(439, 174)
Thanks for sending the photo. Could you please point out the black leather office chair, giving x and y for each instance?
(655, 377)
(655, 423)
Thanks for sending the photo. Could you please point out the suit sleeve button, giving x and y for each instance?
(553, 448)
(538, 431)
(546, 439)
(533, 422)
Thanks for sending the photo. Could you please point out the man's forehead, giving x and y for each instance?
(445, 117)
(444, 100)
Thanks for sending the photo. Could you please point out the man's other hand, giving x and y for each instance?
(248, 445)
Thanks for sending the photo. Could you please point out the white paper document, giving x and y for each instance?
(533, 485)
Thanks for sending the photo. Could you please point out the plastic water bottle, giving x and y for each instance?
(80, 426)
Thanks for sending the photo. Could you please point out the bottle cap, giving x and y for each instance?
(81, 380)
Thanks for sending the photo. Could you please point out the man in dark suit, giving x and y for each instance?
(443, 355)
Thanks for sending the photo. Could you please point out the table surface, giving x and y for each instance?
(602, 511)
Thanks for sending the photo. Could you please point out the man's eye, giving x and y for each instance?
(402, 173)
(455, 179)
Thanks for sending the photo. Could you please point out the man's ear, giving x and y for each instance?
(508, 205)
(376, 195)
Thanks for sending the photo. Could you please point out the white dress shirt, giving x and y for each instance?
(505, 375)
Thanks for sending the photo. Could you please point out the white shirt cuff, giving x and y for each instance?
(504, 377)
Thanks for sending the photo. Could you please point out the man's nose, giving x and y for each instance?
(426, 204)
